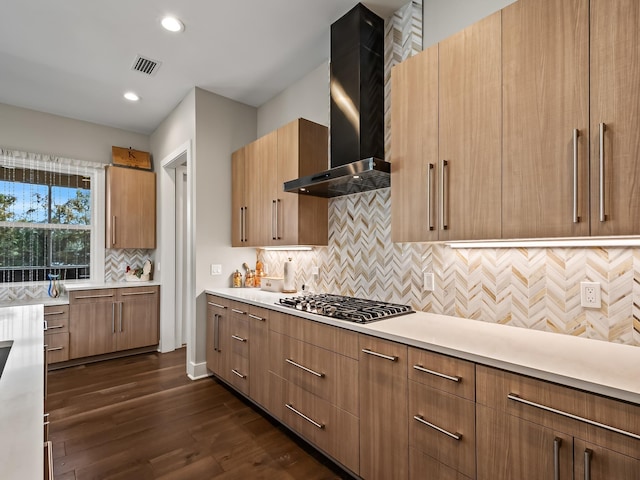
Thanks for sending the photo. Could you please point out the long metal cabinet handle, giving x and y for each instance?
(216, 334)
(104, 295)
(429, 196)
(381, 355)
(121, 304)
(576, 133)
(420, 368)
(240, 339)
(299, 413)
(54, 327)
(603, 216)
(240, 225)
(113, 318)
(213, 304)
(443, 196)
(587, 464)
(236, 372)
(302, 367)
(243, 236)
(557, 443)
(517, 398)
(256, 317)
(420, 418)
(278, 219)
(235, 310)
(54, 349)
(113, 231)
(53, 313)
(151, 292)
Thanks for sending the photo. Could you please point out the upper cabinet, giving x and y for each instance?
(545, 50)
(263, 214)
(446, 139)
(615, 117)
(538, 109)
(130, 208)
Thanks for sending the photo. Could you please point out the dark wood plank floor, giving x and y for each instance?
(141, 418)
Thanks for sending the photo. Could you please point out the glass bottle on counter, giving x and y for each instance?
(237, 279)
(249, 279)
(257, 280)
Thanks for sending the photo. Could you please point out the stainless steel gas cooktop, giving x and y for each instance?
(353, 309)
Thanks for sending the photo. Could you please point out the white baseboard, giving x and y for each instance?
(196, 371)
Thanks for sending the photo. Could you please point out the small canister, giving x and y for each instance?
(237, 279)
(249, 279)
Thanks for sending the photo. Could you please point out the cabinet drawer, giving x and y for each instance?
(332, 338)
(445, 373)
(328, 427)
(57, 347)
(597, 419)
(239, 337)
(57, 318)
(238, 373)
(328, 375)
(92, 296)
(443, 426)
(420, 462)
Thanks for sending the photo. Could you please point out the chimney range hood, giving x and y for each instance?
(357, 110)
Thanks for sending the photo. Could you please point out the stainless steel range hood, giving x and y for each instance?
(357, 110)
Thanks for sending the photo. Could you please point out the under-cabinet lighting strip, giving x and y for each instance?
(302, 249)
(546, 243)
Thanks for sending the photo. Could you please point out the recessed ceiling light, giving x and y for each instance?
(172, 24)
(132, 97)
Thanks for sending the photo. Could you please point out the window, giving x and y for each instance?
(45, 224)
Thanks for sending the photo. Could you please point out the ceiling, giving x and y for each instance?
(74, 57)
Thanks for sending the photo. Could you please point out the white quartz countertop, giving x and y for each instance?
(605, 368)
(22, 393)
(71, 287)
(46, 301)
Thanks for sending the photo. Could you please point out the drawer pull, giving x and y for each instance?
(299, 413)
(104, 295)
(557, 443)
(420, 368)
(420, 418)
(517, 398)
(53, 313)
(256, 317)
(240, 339)
(54, 349)
(302, 367)
(381, 355)
(137, 293)
(54, 327)
(238, 373)
(238, 311)
(587, 464)
(216, 305)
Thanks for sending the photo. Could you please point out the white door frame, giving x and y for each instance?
(169, 340)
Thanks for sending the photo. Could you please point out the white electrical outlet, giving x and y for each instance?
(216, 269)
(429, 282)
(590, 296)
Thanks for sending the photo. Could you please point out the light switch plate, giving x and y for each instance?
(429, 282)
(216, 269)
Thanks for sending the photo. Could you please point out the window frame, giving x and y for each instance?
(97, 226)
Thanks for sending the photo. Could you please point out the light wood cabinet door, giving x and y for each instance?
(414, 148)
(259, 355)
(509, 448)
(130, 208)
(615, 105)
(593, 462)
(138, 319)
(217, 328)
(545, 62)
(470, 126)
(238, 203)
(259, 171)
(383, 409)
(92, 322)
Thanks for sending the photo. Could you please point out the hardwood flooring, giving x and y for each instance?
(142, 418)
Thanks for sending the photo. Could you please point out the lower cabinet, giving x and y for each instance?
(110, 320)
(217, 335)
(56, 335)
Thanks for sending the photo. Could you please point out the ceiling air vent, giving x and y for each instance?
(145, 65)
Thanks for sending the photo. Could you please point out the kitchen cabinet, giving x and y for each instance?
(538, 430)
(110, 320)
(259, 354)
(615, 109)
(447, 147)
(546, 118)
(56, 335)
(217, 335)
(382, 381)
(441, 415)
(130, 208)
(262, 213)
(237, 373)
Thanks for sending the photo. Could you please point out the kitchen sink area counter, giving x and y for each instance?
(22, 392)
(72, 287)
(594, 366)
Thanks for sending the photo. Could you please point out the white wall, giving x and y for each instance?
(38, 132)
(443, 18)
(307, 98)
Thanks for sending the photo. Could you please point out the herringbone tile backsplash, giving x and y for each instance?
(534, 288)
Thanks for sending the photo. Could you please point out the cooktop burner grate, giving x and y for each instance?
(352, 309)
